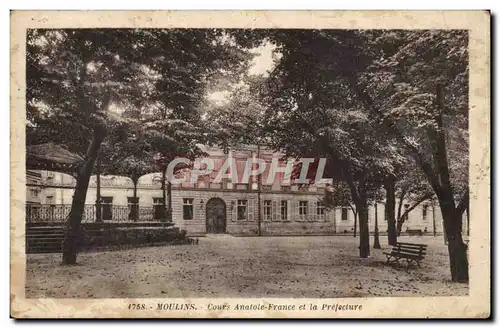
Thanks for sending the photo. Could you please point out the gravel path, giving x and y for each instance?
(225, 266)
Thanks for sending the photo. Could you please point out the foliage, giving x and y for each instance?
(406, 82)
(86, 84)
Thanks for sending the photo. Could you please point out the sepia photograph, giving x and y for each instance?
(250, 171)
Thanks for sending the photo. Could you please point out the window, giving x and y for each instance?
(284, 210)
(106, 200)
(158, 212)
(267, 210)
(187, 208)
(242, 209)
(344, 214)
(252, 206)
(34, 192)
(49, 200)
(424, 212)
(405, 215)
(132, 201)
(320, 209)
(303, 209)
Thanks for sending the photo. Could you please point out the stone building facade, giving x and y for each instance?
(228, 207)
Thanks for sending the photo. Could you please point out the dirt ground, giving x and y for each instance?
(225, 266)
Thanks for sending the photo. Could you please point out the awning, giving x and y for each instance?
(51, 157)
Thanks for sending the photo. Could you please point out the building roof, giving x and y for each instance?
(51, 157)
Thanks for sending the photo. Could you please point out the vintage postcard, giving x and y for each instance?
(250, 164)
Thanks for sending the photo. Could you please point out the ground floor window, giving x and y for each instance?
(187, 208)
(132, 201)
(303, 209)
(320, 210)
(267, 210)
(405, 215)
(242, 209)
(158, 208)
(424, 211)
(284, 210)
(344, 214)
(34, 192)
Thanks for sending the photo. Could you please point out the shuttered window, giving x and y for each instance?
(187, 209)
(242, 209)
(320, 211)
(274, 215)
(252, 205)
(302, 210)
(344, 214)
(267, 210)
(284, 210)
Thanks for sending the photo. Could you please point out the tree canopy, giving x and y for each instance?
(374, 103)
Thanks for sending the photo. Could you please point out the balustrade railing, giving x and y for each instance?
(36, 213)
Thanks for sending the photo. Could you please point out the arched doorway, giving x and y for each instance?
(216, 216)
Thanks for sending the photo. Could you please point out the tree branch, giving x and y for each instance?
(414, 151)
(400, 205)
(354, 211)
(418, 202)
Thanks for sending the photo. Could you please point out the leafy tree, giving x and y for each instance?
(240, 120)
(394, 93)
(74, 76)
(312, 109)
(412, 188)
(132, 158)
(81, 83)
(421, 93)
(338, 194)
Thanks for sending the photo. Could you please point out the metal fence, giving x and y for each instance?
(36, 213)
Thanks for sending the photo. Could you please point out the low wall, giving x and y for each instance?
(105, 236)
(98, 236)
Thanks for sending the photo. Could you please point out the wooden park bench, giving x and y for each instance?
(412, 253)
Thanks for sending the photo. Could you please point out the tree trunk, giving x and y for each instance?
(399, 226)
(358, 194)
(134, 209)
(169, 208)
(468, 221)
(364, 234)
(355, 224)
(390, 215)
(98, 208)
(73, 224)
(433, 220)
(376, 240)
(259, 197)
(459, 265)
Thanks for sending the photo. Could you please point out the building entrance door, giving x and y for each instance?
(216, 216)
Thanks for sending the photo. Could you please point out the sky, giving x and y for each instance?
(262, 64)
